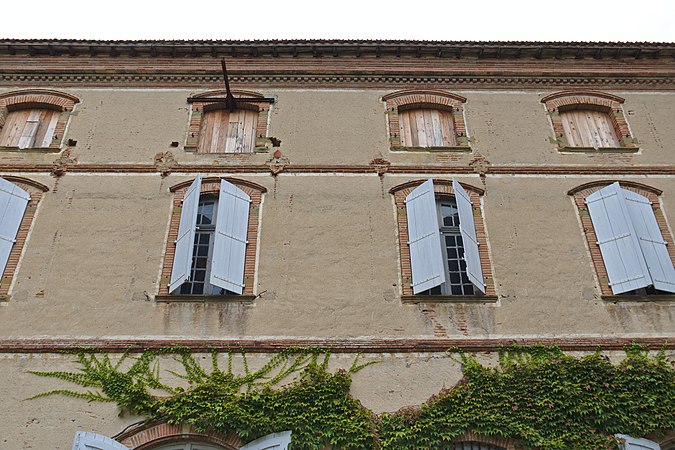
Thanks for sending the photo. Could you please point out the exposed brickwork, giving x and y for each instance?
(40, 99)
(610, 104)
(508, 444)
(198, 109)
(429, 99)
(580, 194)
(153, 433)
(211, 185)
(441, 187)
(35, 190)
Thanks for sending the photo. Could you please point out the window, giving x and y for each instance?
(18, 200)
(442, 241)
(587, 120)
(215, 129)
(426, 120)
(630, 443)
(212, 239)
(34, 118)
(473, 445)
(628, 237)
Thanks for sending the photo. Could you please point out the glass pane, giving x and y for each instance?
(450, 215)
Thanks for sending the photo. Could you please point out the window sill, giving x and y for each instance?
(457, 149)
(599, 149)
(413, 299)
(31, 149)
(204, 298)
(639, 298)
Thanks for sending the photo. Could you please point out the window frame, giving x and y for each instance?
(34, 99)
(407, 100)
(211, 187)
(262, 142)
(442, 188)
(579, 195)
(609, 104)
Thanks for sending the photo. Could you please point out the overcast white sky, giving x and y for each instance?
(532, 20)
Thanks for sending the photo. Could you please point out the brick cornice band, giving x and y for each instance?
(54, 345)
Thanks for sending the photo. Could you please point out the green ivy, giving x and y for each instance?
(536, 395)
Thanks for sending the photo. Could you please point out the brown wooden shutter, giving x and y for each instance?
(589, 128)
(426, 128)
(223, 131)
(29, 128)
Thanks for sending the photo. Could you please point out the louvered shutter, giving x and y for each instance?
(626, 267)
(426, 254)
(651, 241)
(13, 202)
(274, 441)
(182, 260)
(467, 227)
(229, 245)
(85, 440)
(631, 443)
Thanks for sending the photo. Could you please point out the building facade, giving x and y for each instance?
(393, 199)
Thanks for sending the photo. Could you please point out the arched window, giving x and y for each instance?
(426, 120)
(587, 121)
(215, 129)
(475, 445)
(34, 118)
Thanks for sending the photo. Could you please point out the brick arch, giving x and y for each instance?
(151, 434)
(211, 185)
(441, 187)
(198, 109)
(425, 98)
(563, 101)
(36, 191)
(579, 195)
(507, 444)
(40, 99)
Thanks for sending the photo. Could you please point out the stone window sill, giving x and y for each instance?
(457, 149)
(204, 298)
(639, 298)
(31, 149)
(599, 149)
(413, 299)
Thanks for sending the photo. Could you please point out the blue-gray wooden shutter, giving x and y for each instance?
(13, 202)
(229, 245)
(86, 440)
(631, 443)
(467, 226)
(426, 254)
(626, 266)
(182, 260)
(274, 441)
(651, 241)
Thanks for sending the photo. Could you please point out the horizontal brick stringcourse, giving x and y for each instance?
(355, 345)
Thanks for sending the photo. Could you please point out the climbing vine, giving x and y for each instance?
(538, 396)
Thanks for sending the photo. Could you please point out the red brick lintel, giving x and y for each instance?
(356, 345)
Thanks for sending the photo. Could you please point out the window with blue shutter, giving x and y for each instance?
(85, 440)
(13, 203)
(467, 227)
(274, 441)
(182, 261)
(630, 443)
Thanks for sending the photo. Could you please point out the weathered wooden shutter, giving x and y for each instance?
(426, 128)
(27, 138)
(48, 120)
(229, 245)
(467, 227)
(224, 131)
(631, 443)
(589, 128)
(85, 440)
(182, 260)
(426, 254)
(13, 202)
(626, 267)
(651, 241)
(274, 441)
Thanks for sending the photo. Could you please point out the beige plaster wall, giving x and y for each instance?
(344, 127)
(328, 265)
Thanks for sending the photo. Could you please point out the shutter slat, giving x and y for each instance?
(274, 441)
(13, 203)
(619, 247)
(426, 255)
(86, 440)
(182, 261)
(27, 138)
(421, 129)
(448, 129)
(229, 246)
(467, 227)
(651, 241)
